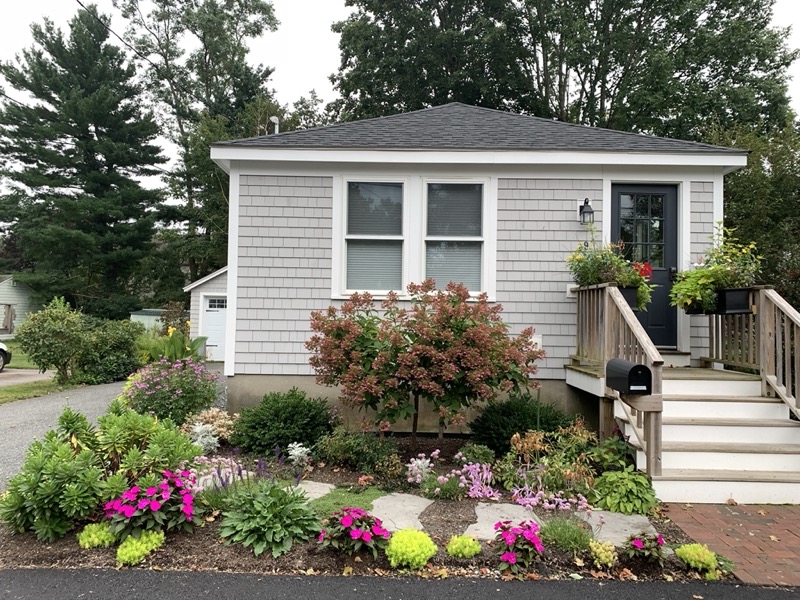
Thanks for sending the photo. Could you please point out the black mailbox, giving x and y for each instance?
(629, 377)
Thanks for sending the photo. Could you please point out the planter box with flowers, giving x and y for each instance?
(592, 264)
(721, 283)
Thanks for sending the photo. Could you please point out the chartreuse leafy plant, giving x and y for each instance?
(134, 550)
(463, 546)
(410, 548)
(96, 535)
(174, 346)
(628, 492)
(700, 558)
(449, 348)
(265, 516)
(352, 529)
(604, 554)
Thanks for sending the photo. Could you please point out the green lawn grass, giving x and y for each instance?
(21, 391)
(19, 360)
(340, 497)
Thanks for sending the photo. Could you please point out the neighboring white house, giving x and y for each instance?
(208, 311)
(15, 304)
(455, 192)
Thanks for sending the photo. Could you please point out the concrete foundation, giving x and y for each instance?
(247, 390)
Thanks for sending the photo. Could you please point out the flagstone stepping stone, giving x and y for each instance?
(616, 527)
(400, 511)
(315, 489)
(490, 513)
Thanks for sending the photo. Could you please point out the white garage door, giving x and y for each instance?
(214, 326)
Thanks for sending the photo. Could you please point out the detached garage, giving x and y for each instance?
(208, 311)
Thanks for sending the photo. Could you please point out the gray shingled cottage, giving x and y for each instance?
(492, 199)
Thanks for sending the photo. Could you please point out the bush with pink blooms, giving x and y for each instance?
(518, 545)
(645, 546)
(168, 505)
(353, 529)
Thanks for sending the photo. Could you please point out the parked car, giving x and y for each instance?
(5, 356)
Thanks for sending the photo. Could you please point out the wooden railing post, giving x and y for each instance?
(766, 350)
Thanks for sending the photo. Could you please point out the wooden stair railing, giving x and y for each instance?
(608, 328)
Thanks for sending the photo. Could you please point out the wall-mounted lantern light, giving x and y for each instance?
(586, 213)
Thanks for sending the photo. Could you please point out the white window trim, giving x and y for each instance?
(414, 237)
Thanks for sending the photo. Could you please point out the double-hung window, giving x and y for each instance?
(374, 236)
(454, 234)
(394, 231)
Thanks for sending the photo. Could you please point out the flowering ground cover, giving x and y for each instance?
(202, 550)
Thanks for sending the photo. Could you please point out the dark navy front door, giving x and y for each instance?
(645, 219)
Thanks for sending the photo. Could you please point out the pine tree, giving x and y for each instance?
(74, 155)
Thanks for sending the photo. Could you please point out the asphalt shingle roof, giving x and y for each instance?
(459, 126)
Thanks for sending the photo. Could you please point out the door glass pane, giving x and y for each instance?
(626, 206)
(656, 231)
(374, 264)
(454, 209)
(454, 261)
(642, 231)
(657, 256)
(374, 208)
(657, 206)
(626, 230)
(642, 205)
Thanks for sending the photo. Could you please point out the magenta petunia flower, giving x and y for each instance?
(127, 511)
(637, 543)
(321, 535)
(366, 536)
(155, 505)
(356, 534)
(142, 503)
(509, 557)
(151, 491)
(346, 521)
(187, 510)
(660, 540)
(509, 538)
(188, 498)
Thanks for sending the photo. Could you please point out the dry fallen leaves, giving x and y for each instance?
(762, 512)
(579, 562)
(348, 570)
(774, 538)
(627, 574)
(731, 502)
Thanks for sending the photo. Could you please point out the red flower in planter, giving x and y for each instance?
(644, 269)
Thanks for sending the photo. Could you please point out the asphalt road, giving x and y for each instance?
(25, 420)
(135, 584)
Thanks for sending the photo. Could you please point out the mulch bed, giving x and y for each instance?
(203, 549)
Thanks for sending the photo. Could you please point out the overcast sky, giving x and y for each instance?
(303, 52)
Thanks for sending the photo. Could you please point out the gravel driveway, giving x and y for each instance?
(25, 420)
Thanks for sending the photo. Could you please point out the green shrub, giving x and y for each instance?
(96, 535)
(475, 453)
(700, 558)
(279, 420)
(604, 555)
(442, 487)
(133, 550)
(463, 546)
(612, 454)
(390, 472)
(172, 390)
(265, 516)
(628, 492)
(67, 475)
(566, 533)
(362, 452)
(108, 351)
(500, 420)
(410, 548)
(52, 338)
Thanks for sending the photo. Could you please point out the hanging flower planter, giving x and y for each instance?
(630, 293)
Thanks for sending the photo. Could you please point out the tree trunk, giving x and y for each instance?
(415, 422)
(441, 428)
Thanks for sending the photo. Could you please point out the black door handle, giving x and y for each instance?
(673, 273)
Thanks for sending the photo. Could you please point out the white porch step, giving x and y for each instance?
(745, 431)
(719, 486)
(733, 456)
(736, 407)
(710, 387)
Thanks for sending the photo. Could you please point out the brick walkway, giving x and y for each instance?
(763, 541)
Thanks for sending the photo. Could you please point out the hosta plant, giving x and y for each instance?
(628, 492)
(518, 545)
(265, 516)
(353, 529)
